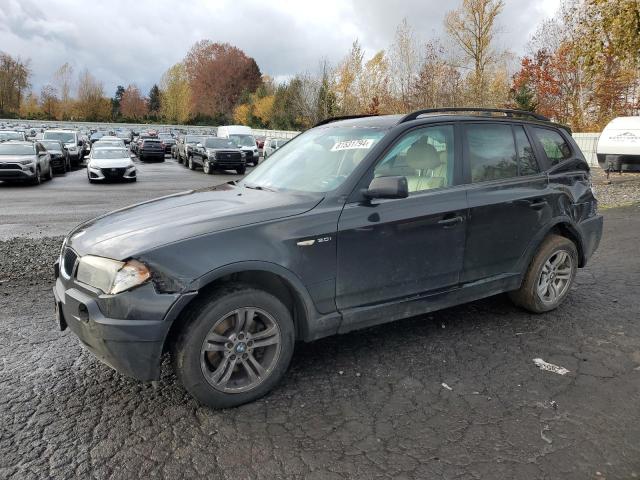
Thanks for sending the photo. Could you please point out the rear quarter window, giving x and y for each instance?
(554, 145)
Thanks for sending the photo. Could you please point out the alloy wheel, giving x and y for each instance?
(241, 350)
(555, 277)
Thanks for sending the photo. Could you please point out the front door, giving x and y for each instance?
(395, 249)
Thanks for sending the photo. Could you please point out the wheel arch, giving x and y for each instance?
(562, 226)
(270, 277)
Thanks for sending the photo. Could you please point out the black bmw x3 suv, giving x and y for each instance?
(355, 222)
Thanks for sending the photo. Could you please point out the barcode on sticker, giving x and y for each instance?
(352, 144)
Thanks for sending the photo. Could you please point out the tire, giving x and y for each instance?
(206, 167)
(190, 164)
(37, 180)
(191, 361)
(529, 295)
(50, 173)
(241, 170)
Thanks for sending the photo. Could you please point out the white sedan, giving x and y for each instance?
(110, 163)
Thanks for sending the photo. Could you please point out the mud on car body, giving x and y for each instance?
(356, 222)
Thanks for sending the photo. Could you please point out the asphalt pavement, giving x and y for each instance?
(451, 395)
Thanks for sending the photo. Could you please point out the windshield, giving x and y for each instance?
(16, 149)
(103, 153)
(319, 160)
(193, 139)
(64, 137)
(164, 135)
(219, 143)
(244, 140)
(10, 136)
(51, 145)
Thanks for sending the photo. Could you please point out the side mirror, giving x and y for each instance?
(79, 143)
(388, 187)
(198, 145)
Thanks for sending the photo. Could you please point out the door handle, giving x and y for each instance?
(450, 221)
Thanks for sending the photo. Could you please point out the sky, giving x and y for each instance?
(135, 41)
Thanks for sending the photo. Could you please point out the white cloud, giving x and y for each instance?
(135, 41)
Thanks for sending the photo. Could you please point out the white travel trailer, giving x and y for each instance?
(619, 145)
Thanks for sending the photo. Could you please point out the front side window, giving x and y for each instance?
(492, 152)
(424, 156)
(553, 144)
(319, 160)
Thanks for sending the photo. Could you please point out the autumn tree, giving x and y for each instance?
(219, 74)
(91, 103)
(132, 104)
(438, 83)
(175, 94)
(30, 106)
(49, 102)
(14, 80)
(472, 27)
(63, 83)
(405, 62)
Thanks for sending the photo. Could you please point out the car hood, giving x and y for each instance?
(111, 162)
(145, 226)
(15, 158)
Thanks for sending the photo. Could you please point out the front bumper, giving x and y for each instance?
(105, 174)
(18, 173)
(131, 346)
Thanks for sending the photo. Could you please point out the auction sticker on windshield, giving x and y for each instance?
(353, 144)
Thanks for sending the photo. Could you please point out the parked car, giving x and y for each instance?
(244, 139)
(167, 141)
(355, 223)
(6, 135)
(125, 135)
(109, 164)
(59, 155)
(217, 154)
(619, 145)
(97, 135)
(150, 149)
(273, 144)
(70, 140)
(185, 144)
(24, 161)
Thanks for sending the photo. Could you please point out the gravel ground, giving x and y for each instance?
(451, 395)
(618, 190)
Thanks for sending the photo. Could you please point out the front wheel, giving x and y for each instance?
(241, 170)
(235, 346)
(190, 164)
(206, 167)
(549, 277)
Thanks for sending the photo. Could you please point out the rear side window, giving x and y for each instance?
(526, 159)
(553, 144)
(492, 152)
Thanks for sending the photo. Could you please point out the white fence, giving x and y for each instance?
(588, 143)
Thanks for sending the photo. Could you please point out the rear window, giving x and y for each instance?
(555, 147)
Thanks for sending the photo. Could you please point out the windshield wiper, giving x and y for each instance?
(258, 187)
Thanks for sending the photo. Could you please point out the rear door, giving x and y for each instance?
(509, 198)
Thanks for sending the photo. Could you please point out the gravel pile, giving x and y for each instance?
(25, 261)
(618, 191)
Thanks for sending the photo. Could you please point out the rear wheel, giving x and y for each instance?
(549, 277)
(235, 346)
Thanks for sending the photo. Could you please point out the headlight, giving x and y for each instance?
(111, 276)
(27, 162)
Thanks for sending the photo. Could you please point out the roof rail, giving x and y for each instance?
(336, 119)
(507, 112)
